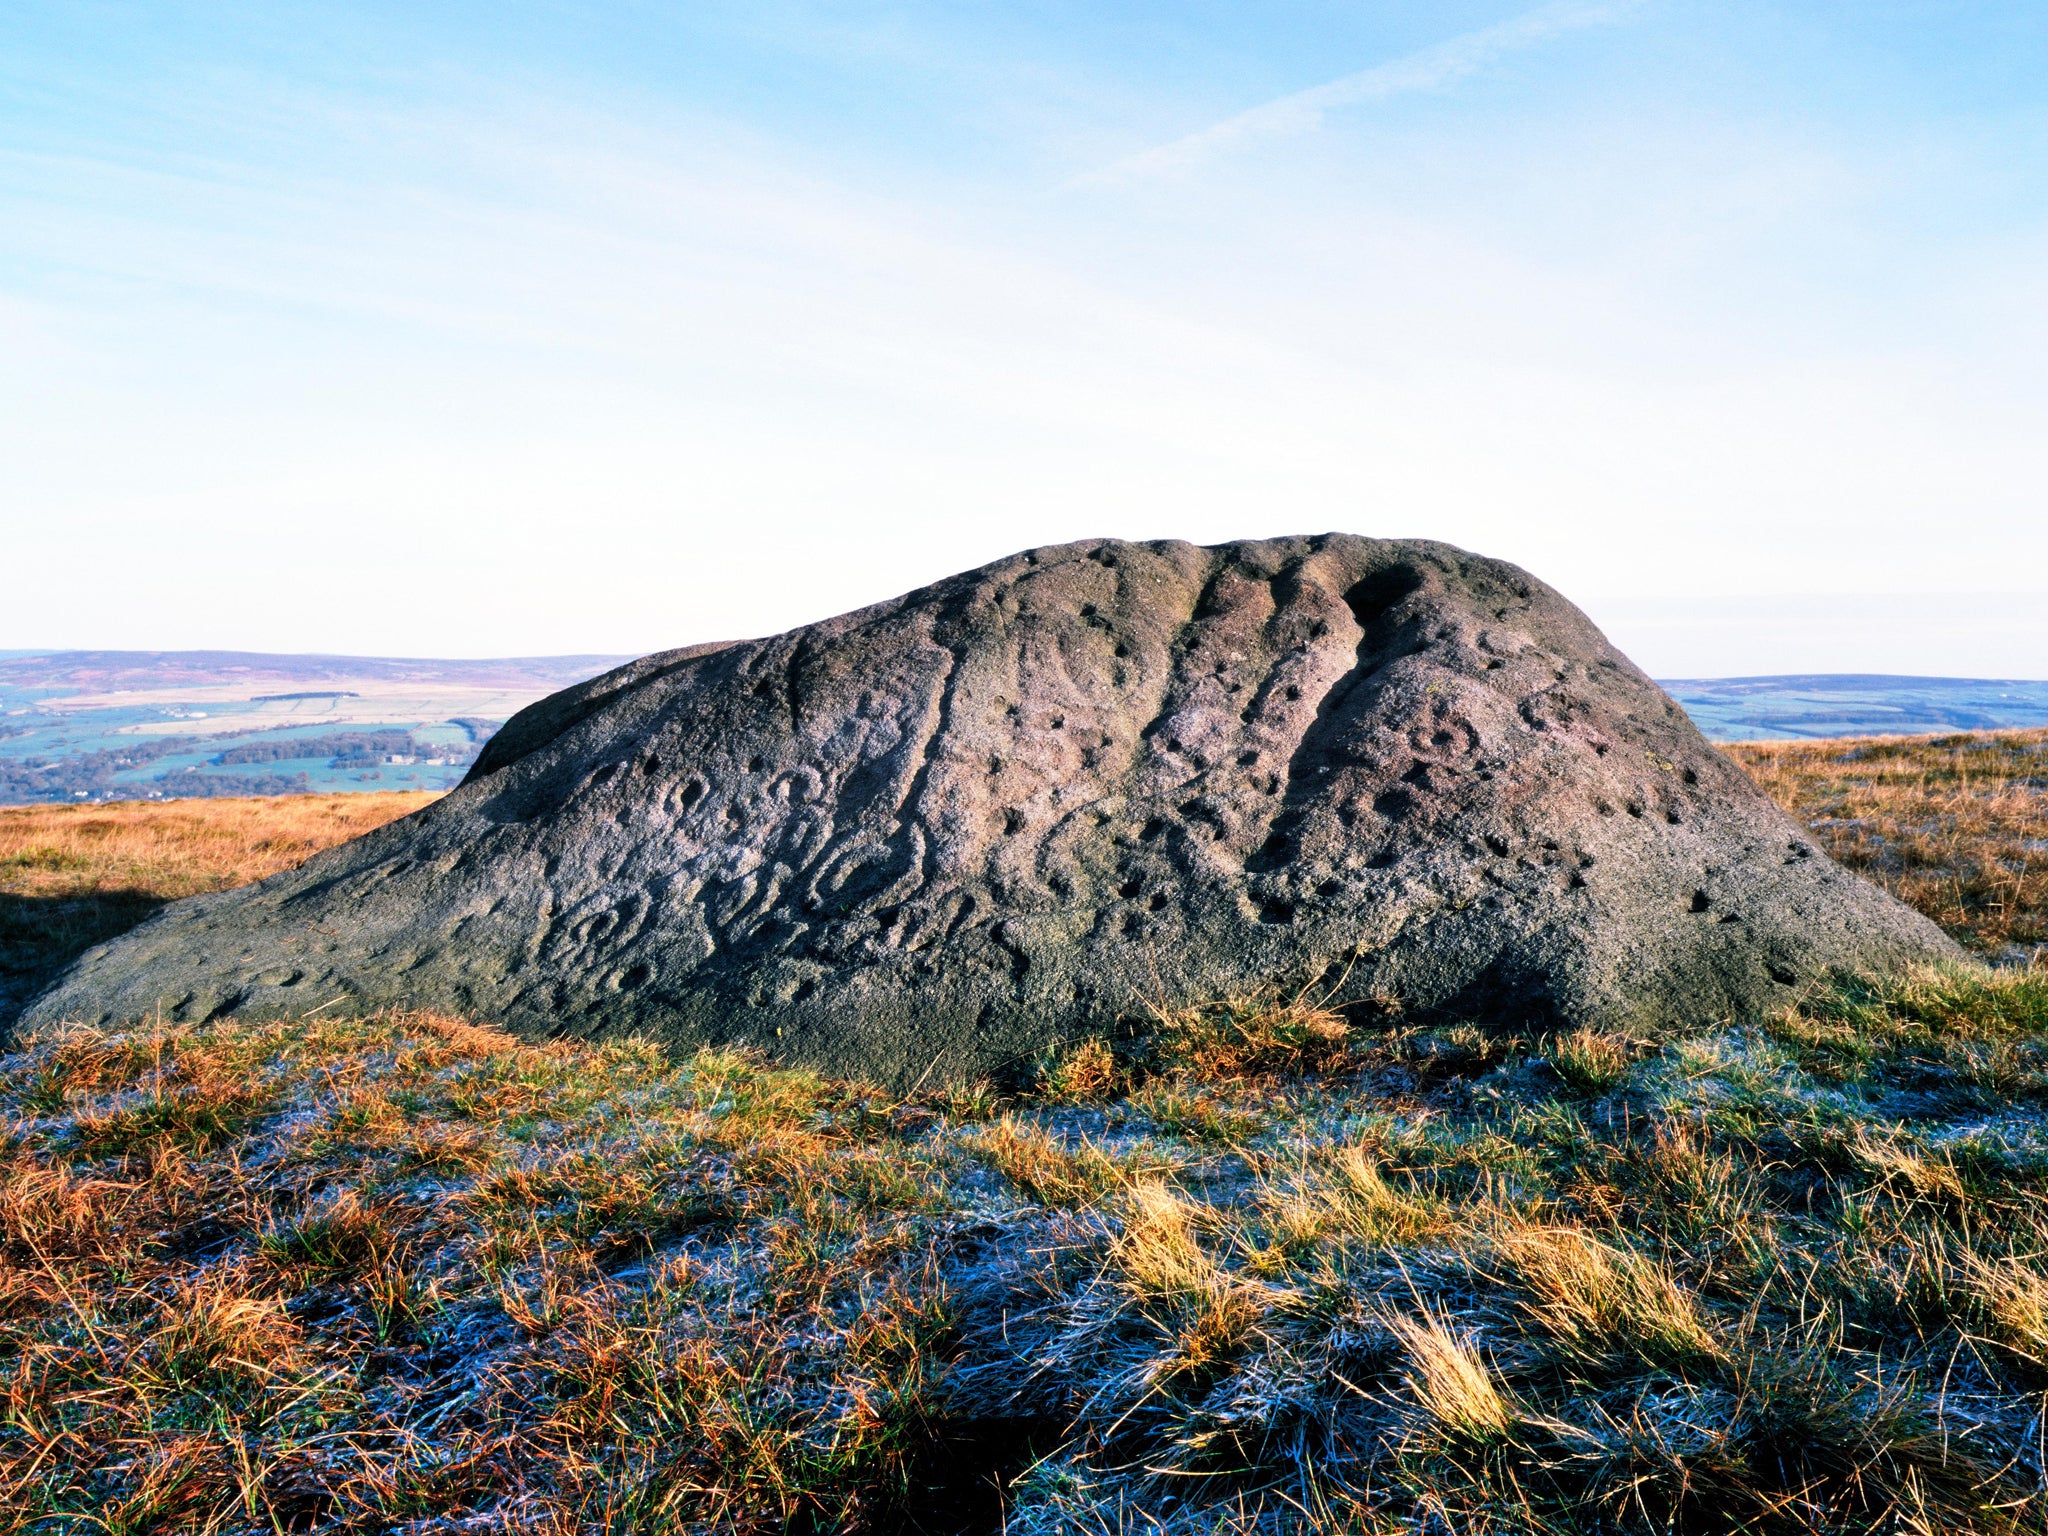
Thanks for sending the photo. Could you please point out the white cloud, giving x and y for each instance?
(1427, 69)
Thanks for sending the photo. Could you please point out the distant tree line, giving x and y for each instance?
(87, 776)
(191, 784)
(349, 749)
(93, 775)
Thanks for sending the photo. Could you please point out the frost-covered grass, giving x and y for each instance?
(1255, 1271)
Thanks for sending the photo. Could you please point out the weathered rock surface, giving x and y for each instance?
(939, 833)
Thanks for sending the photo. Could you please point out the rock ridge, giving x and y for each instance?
(938, 834)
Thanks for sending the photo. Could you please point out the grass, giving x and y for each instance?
(174, 848)
(1450, 1380)
(1255, 1270)
(376, 1274)
(1954, 825)
(72, 876)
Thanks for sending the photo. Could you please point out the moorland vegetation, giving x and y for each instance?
(72, 876)
(1259, 1266)
(1956, 825)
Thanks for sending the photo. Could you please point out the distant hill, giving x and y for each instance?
(109, 671)
(141, 725)
(1805, 706)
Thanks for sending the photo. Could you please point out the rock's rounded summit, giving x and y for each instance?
(943, 832)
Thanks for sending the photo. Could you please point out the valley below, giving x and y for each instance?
(98, 726)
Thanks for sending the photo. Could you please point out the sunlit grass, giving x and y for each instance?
(1955, 825)
(178, 848)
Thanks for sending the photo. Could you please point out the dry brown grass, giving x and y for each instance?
(1593, 1296)
(1251, 1036)
(1954, 825)
(72, 876)
(1045, 1167)
(383, 1294)
(1204, 1310)
(179, 848)
(1258, 1035)
(1451, 1381)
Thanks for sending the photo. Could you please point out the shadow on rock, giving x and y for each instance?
(41, 935)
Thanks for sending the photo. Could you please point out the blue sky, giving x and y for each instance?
(468, 329)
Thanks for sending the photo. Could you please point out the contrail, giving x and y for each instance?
(1427, 69)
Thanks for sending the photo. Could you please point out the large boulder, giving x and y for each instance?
(938, 834)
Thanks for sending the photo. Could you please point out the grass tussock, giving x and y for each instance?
(1253, 1036)
(1450, 1380)
(1260, 1035)
(2010, 1298)
(1594, 1296)
(1046, 1167)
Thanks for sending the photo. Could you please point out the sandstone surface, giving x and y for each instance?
(934, 836)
